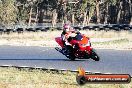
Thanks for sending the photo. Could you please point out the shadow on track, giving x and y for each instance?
(47, 59)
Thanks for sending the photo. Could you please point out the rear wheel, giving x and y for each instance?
(70, 53)
(72, 57)
(94, 55)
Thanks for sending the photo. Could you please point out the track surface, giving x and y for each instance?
(112, 61)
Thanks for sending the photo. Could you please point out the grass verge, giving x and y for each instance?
(11, 77)
(115, 44)
(109, 39)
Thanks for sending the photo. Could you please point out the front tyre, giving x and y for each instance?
(72, 57)
(94, 55)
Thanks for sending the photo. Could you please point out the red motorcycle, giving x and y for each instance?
(78, 47)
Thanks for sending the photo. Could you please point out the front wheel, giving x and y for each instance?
(94, 55)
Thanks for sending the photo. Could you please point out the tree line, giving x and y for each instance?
(60, 11)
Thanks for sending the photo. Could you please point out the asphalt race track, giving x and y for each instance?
(112, 61)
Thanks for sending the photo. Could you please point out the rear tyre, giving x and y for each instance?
(94, 55)
(72, 57)
(70, 53)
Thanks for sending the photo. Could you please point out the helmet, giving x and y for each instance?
(66, 27)
(78, 33)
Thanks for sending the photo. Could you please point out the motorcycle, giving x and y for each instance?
(78, 47)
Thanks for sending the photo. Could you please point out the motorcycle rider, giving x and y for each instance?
(66, 34)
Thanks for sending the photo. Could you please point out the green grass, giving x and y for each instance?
(11, 77)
